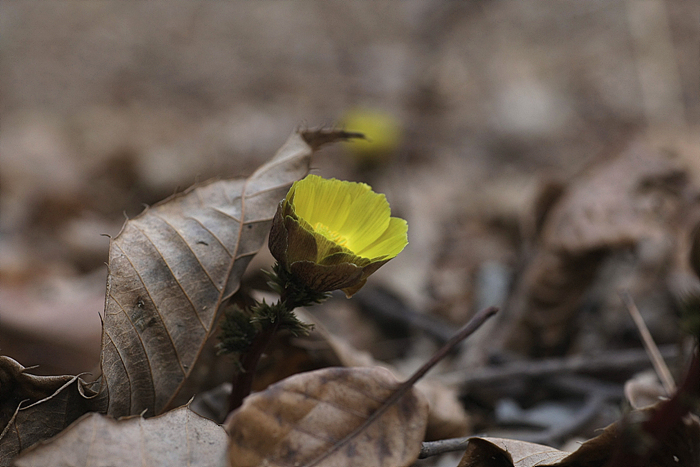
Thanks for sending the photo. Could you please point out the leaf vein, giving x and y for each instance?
(223, 245)
(224, 213)
(267, 190)
(188, 245)
(143, 346)
(121, 357)
(155, 307)
(344, 409)
(229, 200)
(184, 292)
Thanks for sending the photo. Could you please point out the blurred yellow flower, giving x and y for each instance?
(383, 135)
(332, 234)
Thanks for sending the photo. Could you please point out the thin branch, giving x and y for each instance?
(435, 448)
(618, 360)
(654, 355)
(556, 434)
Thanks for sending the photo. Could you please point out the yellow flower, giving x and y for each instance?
(382, 132)
(332, 234)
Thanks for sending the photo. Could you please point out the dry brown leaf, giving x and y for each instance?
(617, 203)
(33, 408)
(500, 452)
(314, 419)
(681, 449)
(173, 266)
(287, 356)
(637, 196)
(179, 437)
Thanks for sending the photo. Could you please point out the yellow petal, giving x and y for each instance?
(368, 219)
(346, 217)
(328, 202)
(390, 243)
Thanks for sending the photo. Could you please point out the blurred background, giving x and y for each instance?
(545, 154)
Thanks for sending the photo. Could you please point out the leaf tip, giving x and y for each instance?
(323, 136)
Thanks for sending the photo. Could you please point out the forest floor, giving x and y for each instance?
(546, 156)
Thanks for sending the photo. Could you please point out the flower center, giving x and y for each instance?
(331, 235)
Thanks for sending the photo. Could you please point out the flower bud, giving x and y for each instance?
(332, 234)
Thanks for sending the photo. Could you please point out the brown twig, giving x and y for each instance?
(554, 434)
(557, 433)
(654, 355)
(442, 446)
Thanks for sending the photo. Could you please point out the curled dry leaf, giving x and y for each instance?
(680, 449)
(179, 437)
(171, 268)
(638, 195)
(33, 408)
(330, 417)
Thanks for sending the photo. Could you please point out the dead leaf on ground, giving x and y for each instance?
(681, 449)
(288, 355)
(446, 418)
(179, 437)
(312, 419)
(173, 266)
(33, 408)
(637, 196)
